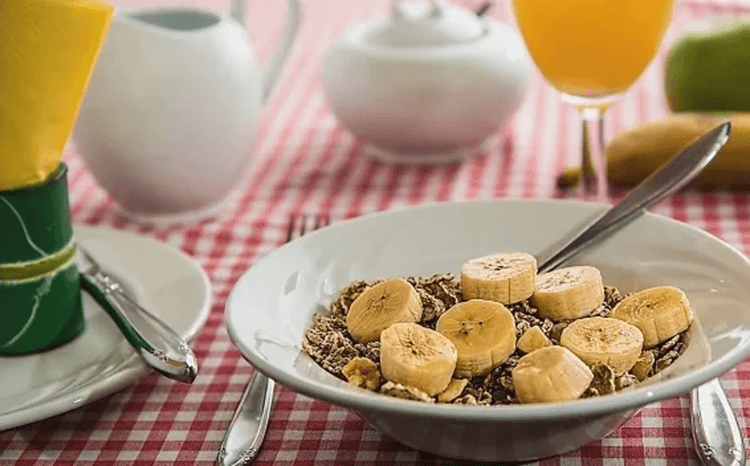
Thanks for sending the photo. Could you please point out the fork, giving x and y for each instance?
(247, 429)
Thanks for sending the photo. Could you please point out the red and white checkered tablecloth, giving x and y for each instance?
(306, 163)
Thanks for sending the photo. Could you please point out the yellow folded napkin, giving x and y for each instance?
(48, 49)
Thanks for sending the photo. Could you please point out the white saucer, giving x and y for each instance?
(100, 362)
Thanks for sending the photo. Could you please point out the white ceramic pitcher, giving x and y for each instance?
(168, 122)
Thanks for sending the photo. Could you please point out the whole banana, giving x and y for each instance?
(636, 153)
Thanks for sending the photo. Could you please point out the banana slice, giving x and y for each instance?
(660, 313)
(484, 333)
(604, 340)
(533, 339)
(416, 356)
(568, 293)
(550, 374)
(455, 388)
(389, 302)
(505, 277)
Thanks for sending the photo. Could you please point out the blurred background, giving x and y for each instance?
(302, 118)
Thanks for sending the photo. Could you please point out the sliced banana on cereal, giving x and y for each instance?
(533, 339)
(603, 340)
(454, 389)
(381, 305)
(550, 374)
(660, 313)
(506, 277)
(483, 332)
(568, 293)
(417, 356)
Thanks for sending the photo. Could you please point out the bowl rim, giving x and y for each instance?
(367, 401)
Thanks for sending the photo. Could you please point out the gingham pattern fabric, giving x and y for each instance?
(306, 163)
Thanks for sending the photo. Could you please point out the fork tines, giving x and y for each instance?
(302, 222)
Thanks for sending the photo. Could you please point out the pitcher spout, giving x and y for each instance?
(169, 20)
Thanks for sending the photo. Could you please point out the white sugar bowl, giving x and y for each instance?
(427, 84)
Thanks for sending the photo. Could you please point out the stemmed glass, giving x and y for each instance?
(592, 51)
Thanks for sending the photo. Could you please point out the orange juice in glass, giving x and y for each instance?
(591, 51)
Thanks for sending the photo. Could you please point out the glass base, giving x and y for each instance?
(427, 158)
(600, 102)
(594, 183)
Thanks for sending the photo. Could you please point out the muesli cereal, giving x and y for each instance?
(331, 345)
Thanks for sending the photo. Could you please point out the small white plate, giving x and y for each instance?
(101, 362)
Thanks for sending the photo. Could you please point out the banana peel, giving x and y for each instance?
(636, 153)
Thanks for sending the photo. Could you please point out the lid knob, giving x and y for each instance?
(413, 25)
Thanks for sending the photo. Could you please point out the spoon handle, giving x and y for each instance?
(157, 344)
(717, 436)
(672, 176)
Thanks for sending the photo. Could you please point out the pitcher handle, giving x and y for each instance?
(293, 20)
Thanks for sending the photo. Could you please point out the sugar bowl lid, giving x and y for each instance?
(413, 25)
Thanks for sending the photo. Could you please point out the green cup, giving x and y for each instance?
(40, 295)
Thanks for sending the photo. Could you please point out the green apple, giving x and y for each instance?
(710, 71)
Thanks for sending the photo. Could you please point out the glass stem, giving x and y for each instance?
(594, 184)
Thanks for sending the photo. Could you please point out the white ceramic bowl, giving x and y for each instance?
(426, 104)
(271, 306)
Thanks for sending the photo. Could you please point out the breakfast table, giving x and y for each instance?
(305, 163)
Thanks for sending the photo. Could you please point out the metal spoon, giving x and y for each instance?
(669, 178)
(716, 433)
(157, 344)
